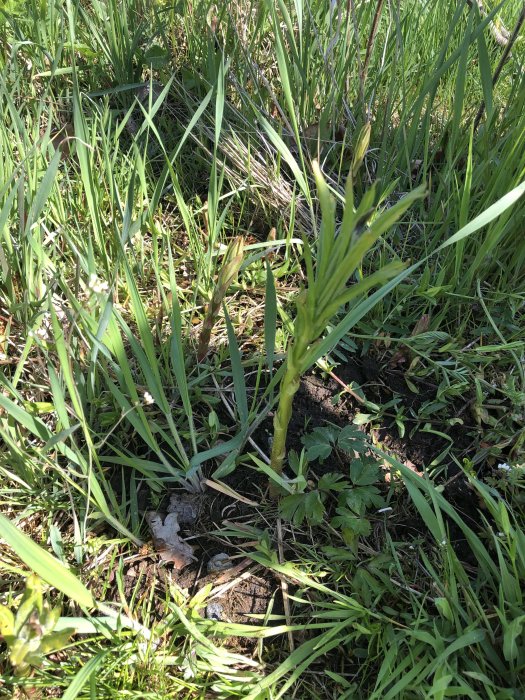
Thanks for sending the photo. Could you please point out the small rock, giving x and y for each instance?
(214, 611)
(186, 506)
(219, 562)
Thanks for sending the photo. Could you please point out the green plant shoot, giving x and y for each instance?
(339, 256)
(228, 272)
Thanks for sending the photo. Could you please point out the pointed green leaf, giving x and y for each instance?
(46, 566)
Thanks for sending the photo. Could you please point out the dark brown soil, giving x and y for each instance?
(239, 592)
(321, 400)
(383, 383)
(250, 588)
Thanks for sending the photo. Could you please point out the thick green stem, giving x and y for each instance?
(289, 386)
(327, 290)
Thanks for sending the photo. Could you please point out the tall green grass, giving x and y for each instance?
(136, 141)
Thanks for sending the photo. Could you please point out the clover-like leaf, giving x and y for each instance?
(351, 526)
(351, 439)
(359, 498)
(304, 506)
(364, 471)
(320, 443)
(332, 482)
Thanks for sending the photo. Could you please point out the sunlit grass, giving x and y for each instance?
(137, 141)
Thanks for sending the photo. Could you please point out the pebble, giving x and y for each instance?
(214, 611)
(219, 562)
(186, 506)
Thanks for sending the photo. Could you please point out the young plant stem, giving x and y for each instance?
(339, 253)
(289, 387)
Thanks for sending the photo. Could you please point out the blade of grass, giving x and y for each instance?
(270, 318)
(46, 566)
(239, 382)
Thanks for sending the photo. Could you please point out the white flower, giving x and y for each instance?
(501, 534)
(97, 286)
(504, 467)
(148, 398)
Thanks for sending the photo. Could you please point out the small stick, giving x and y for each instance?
(350, 391)
(236, 573)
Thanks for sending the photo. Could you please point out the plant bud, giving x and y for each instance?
(363, 141)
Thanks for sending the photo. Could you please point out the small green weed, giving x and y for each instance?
(30, 633)
(349, 492)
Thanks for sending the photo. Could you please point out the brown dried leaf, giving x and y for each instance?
(167, 541)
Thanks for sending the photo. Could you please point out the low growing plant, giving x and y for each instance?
(349, 490)
(30, 633)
